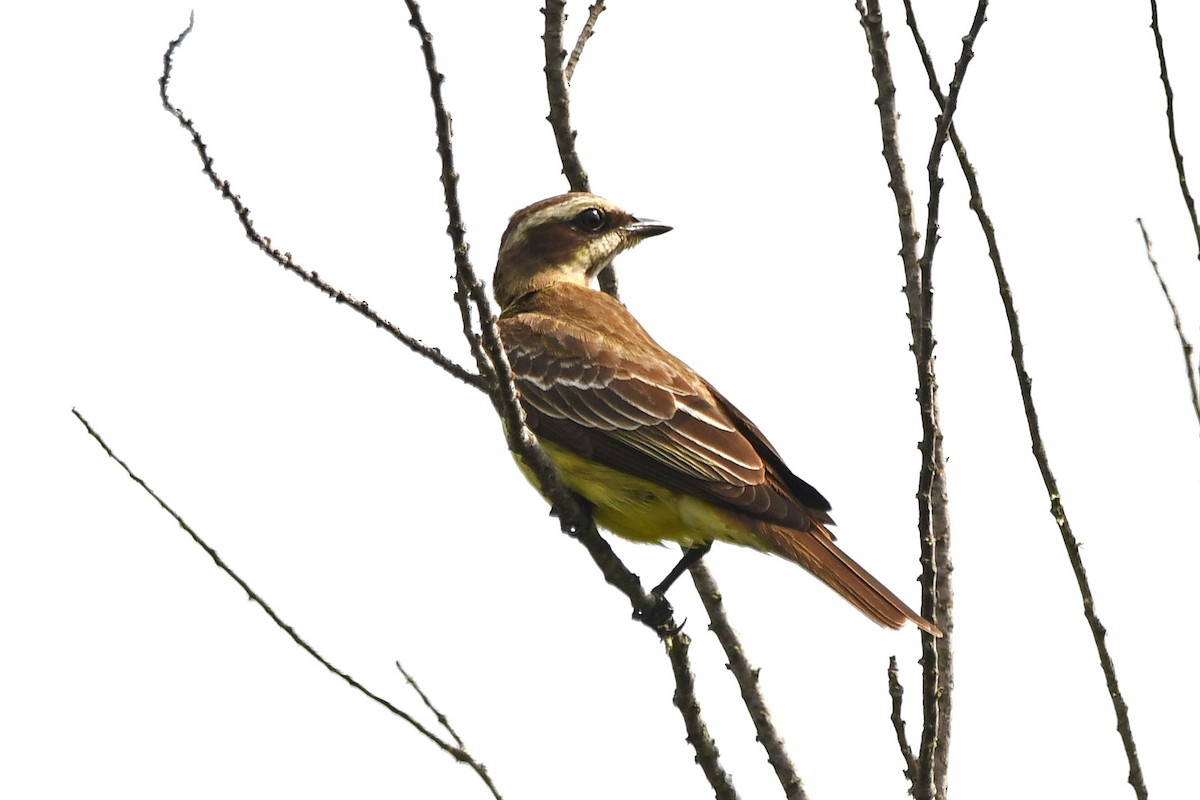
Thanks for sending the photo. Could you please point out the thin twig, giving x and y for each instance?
(896, 690)
(441, 718)
(871, 20)
(560, 115)
(1058, 511)
(1166, 81)
(559, 96)
(747, 678)
(1184, 344)
(698, 737)
(1025, 384)
(594, 12)
(457, 752)
(285, 259)
(470, 288)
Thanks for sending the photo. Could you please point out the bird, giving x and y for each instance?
(657, 452)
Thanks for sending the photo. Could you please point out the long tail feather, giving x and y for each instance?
(815, 551)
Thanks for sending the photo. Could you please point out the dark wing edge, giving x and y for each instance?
(804, 492)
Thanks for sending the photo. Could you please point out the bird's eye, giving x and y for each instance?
(590, 220)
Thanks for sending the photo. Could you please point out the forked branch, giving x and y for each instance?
(456, 750)
(284, 259)
(1025, 384)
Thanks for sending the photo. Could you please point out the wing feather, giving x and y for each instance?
(645, 413)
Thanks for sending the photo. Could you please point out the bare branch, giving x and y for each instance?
(1184, 344)
(559, 95)
(698, 737)
(441, 718)
(594, 12)
(747, 678)
(896, 690)
(458, 753)
(1166, 81)
(560, 114)
(285, 259)
(929, 780)
(470, 288)
(1024, 382)
(935, 740)
(871, 20)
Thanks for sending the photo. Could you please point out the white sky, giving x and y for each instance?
(370, 498)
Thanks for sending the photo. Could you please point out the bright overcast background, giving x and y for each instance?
(369, 497)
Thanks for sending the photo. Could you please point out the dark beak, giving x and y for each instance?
(645, 228)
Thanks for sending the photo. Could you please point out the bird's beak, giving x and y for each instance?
(645, 228)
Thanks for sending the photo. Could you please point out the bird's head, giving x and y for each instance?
(564, 239)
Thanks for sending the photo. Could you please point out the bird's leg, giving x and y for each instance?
(691, 555)
(656, 616)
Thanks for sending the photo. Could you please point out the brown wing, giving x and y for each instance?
(627, 404)
(592, 381)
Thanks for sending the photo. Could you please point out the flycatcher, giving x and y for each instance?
(659, 453)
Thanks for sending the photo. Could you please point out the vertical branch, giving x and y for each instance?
(560, 113)
(1184, 344)
(1025, 384)
(935, 744)
(871, 19)
(1166, 81)
(929, 777)
(559, 95)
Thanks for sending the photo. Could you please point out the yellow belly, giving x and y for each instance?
(636, 509)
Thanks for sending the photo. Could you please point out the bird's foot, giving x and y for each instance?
(657, 615)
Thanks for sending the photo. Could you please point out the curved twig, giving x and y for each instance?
(285, 259)
(459, 754)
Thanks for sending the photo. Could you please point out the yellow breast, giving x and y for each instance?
(642, 511)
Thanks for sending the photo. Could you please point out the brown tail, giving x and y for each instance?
(815, 551)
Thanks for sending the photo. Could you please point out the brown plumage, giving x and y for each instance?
(659, 452)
